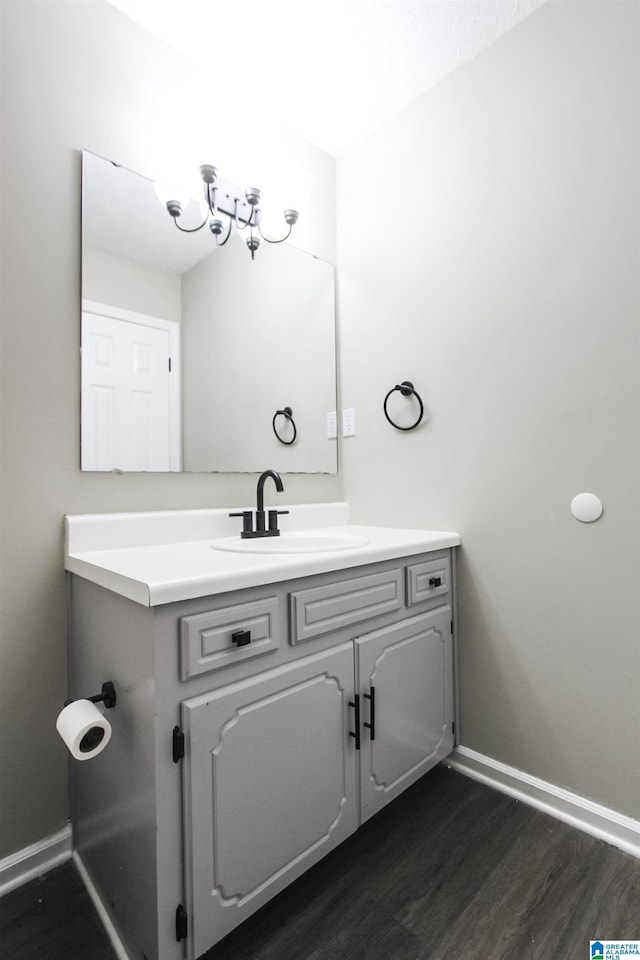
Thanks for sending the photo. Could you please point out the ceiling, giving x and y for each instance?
(121, 214)
(330, 71)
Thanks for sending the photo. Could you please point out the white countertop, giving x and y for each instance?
(156, 558)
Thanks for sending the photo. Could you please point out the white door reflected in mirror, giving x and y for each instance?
(130, 391)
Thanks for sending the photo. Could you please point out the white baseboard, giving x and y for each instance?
(35, 860)
(107, 923)
(599, 821)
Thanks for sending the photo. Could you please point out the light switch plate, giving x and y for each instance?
(349, 423)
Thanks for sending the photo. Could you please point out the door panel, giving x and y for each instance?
(125, 395)
(270, 786)
(410, 667)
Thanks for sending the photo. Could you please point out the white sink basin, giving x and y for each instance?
(292, 543)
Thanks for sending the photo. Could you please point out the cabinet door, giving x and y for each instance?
(270, 786)
(409, 665)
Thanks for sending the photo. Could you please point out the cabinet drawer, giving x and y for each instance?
(428, 580)
(206, 639)
(323, 609)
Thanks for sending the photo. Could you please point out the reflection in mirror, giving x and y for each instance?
(189, 350)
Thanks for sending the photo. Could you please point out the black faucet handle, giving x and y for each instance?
(273, 521)
(247, 520)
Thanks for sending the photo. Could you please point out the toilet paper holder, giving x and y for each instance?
(108, 696)
(83, 727)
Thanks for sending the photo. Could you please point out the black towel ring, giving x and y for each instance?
(287, 414)
(406, 389)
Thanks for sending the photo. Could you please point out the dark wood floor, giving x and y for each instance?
(451, 869)
(52, 918)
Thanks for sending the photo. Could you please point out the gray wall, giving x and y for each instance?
(507, 289)
(271, 322)
(504, 282)
(130, 284)
(77, 75)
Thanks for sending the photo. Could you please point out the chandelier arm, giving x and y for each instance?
(244, 223)
(190, 229)
(221, 243)
(282, 239)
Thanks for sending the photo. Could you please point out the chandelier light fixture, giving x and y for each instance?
(222, 197)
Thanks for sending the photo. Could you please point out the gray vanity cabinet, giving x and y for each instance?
(236, 760)
(270, 786)
(271, 762)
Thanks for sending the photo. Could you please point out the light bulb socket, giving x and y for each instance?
(253, 242)
(252, 196)
(174, 207)
(291, 217)
(216, 226)
(208, 173)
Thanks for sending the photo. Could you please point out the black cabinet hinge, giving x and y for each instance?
(178, 744)
(169, 364)
(181, 923)
(452, 628)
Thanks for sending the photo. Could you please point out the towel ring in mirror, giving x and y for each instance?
(406, 389)
(287, 414)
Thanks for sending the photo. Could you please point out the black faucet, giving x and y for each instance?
(262, 529)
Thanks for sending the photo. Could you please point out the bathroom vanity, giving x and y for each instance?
(267, 704)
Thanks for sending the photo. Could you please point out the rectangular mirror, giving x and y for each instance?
(195, 357)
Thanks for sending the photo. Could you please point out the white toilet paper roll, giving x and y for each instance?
(84, 729)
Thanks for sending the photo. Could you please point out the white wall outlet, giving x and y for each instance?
(332, 425)
(349, 423)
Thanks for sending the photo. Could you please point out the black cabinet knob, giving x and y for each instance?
(435, 582)
(241, 637)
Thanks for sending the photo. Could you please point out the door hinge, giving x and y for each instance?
(453, 728)
(181, 923)
(178, 744)
(169, 364)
